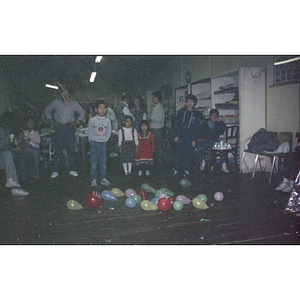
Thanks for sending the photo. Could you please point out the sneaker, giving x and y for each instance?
(186, 174)
(140, 173)
(288, 188)
(54, 174)
(105, 182)
(202, 165)
(11, 183)
(224, 168)
(282, 185)
(94, 183)
(19, 193)
(113, 154)
(147, 172)
(175, 173)
(73, 173)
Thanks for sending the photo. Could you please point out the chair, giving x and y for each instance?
(281, 138)
(47, 149)
(232, 138)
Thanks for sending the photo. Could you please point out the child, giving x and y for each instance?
(144, 157)
(186, 131)
(128, 144)
(99, 131)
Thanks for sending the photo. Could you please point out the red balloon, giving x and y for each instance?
(143, 194)
(163, 204)
(171, 200)
(93, 199)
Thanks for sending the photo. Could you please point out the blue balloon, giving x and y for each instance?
(130, 202)
(108, 195)
(154, 200)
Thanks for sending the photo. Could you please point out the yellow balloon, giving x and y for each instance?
(117, 192)
(147, 205)
(74, 205)
(198, 203)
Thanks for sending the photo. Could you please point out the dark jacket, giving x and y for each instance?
(187, 124)
(214, 133)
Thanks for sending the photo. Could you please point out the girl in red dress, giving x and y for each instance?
(144, 157)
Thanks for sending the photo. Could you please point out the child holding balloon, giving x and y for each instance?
(128, 144)
(144, 157)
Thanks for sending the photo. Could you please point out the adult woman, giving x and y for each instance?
(138, 112)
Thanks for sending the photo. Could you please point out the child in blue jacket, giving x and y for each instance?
(186, 132)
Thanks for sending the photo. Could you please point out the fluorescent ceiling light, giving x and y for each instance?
(286, 61)
(51, 86)
(98, 59)
(93, 76)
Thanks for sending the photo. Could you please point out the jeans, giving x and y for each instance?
(64, 134)
(7, 163)
(98, 151)
(158, 139)
(183, 148)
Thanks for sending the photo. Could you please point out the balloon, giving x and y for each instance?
(148, 188)
(73, 205)
(108, 195)
(117, 192)
(137, 198)
(185, 182)
(163, 195)
(167, 191)
(202, 197)
(183, 199)
(198, 203)
(147, 205)
(143, 194)
(178, 205)
(172, 200)
(129, 193)
(163, 204)
(157, 193)
(93, 199)
(219, 196)
(154, 200)
(130, 202)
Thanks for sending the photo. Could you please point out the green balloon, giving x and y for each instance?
(148, 188)
(167, 191)
(158, 192)
(185, 182)
(137, 198)
(202, 197)
(178, 205)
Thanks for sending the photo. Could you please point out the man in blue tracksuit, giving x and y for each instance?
(186, 131)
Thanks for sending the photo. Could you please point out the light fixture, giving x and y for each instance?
(93, 76)
(286, 61)
(98, 59)
(50, 86)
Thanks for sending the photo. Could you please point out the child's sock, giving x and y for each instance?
(129, 167)
(125, 168)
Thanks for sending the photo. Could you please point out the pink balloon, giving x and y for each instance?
(129, 193)
(219, 196)
(183, 199)
(163, 195)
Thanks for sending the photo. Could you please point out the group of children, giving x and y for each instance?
(134, 148)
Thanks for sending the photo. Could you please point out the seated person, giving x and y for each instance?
(210, 131)
(289, 171)
(7, 161)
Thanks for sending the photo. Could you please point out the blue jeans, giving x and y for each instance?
(183, 148)
(158, 139)
(64, 134)
(7, 163)
(98, 151)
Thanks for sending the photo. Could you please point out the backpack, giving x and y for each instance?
(263, 140)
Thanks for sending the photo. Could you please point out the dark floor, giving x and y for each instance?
(251, 212)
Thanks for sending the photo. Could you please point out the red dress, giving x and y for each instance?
(146, 146)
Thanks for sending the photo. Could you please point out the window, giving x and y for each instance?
(286, 69)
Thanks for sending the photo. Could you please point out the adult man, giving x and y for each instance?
(64, 123)
(157, 123)
(7, 161)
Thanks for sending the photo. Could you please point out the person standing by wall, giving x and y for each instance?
(157, 124)
(64, 123)
(138, 112)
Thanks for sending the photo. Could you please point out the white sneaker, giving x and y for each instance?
(73, 173)
(282, 185)
(147, 172)
(19, 193)
(140, 173)
(54, 174)
(94, 183)
(288, 188)
(224, 168)
(113, 154)
(105, 182)
(11, 183)
(202, 165)
(186, 174)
